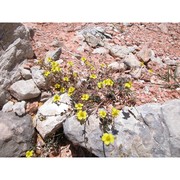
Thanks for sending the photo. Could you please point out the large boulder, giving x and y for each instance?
(150, 130)
(15, 47)
(17, 135)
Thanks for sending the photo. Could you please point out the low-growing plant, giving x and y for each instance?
(93, 91)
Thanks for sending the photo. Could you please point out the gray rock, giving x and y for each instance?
(132, 61)
(24, 89)
(100, 50)
(157, 60)
(117, 66)
(84, 47)
(171, 115)
(26, 73)
(15, 47)
(56, 43)
(94, 36)
(9, 32)
(145, 54)
(8, 107)
(163, 27)
(150, 130)
(55, 55)
(50, 116)
(136, 73)
(177, 71)
(45, 96)
(15, 53)
(170, 62)
(38, 77)
(19, 108)
(92, 40)
(16, 135)
(2, 97)
(119, 51)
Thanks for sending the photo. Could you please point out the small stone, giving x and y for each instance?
(55, 55)
(56, 43)
(84, 47)
(117, 66)
(45, 96)
(24, 89)
(19, 108)
(119, 51)
(136, 73)
(169, 61)
(100, 50)
(177, 71)
(145, 54)
(132, 61)
(26, 74)
(157, 60)
(38, 77)
(163, 27)
(8, 107)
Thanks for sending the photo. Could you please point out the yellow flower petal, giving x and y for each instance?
(107, 138)
(78, 106)
(82, 115)
(56, 98)
(115, 112)
(93, 76)
(85, 97)
(102, 114)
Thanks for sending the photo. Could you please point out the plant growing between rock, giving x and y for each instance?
(93, 91)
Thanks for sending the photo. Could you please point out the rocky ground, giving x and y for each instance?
(161, 38)
(148, 53)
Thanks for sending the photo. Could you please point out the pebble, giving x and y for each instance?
(19, 108)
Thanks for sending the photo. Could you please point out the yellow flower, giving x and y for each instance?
(78, 106)
(49, 59)
(71, 90)
(103, 65)
(128, 85)
(66, 79)
(88, 63)
(150, 70)
(93, 76)
(107, 138)
(102, 114)
(100, 85)
(55, 69)
(54, 63)
(81, 115)
(46, 73)
(85, 97)
(56, 98)
(115, 112)
(75, 74)
(83, 59)
(57, 86)
(108, 82)
(92, 68)
(29, 153)
(70, 63)
(62, 90)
